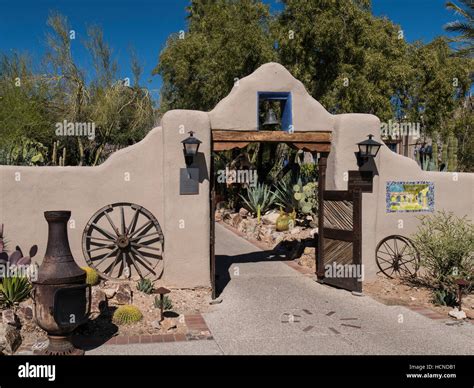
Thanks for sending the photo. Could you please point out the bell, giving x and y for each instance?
(271, 118)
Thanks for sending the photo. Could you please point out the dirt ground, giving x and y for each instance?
(398, 292)
(185, 301)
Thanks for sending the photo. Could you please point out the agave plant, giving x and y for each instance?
(14, 290)
(284, 196)
(259, 198)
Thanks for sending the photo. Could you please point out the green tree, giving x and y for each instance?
(225, 40)
(465, 28)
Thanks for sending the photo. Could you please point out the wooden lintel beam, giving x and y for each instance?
(271, 136)
(227, 145)
(313, 147)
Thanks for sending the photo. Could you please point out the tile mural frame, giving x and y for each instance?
(430, 195)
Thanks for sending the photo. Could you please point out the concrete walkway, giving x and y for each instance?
(269, 308)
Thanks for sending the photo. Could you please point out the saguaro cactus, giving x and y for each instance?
(434, 147)
(452, 153)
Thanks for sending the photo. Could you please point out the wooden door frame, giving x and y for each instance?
(222, 140)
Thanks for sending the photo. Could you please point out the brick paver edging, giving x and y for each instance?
(197, 330)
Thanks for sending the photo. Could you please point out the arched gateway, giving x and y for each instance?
(358, 206)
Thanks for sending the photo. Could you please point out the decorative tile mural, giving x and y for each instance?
(410, 196)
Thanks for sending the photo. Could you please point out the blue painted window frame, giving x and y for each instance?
(286, 103)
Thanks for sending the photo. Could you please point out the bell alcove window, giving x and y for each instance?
(274, 111)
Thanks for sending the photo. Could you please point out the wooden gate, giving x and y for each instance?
(339, 261)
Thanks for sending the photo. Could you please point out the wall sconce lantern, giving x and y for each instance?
(191, 146)
(368, 149)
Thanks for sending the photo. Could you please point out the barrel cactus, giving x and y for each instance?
(145, 286)
(127, 314)
(282, 222)
(92, 276)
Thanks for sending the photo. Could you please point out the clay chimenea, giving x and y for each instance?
(60, 294)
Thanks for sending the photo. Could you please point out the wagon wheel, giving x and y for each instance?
(122, 241)
(396, 256)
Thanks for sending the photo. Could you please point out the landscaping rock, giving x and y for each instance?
(99, 301)
(10, 318)
(25, 313)
(458, 314)
(271, 217)
(168, 324)
(124, 294)
(295, 230)
(109, 292)
(243, 212)
(10, 339)
(236, 219)
(314, 231)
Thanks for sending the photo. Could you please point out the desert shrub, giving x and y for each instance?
(446, 246)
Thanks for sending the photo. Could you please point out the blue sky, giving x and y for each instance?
(145, 25)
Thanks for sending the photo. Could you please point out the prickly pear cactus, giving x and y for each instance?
(307, 198)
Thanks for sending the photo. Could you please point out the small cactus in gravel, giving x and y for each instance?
(92, 276)
(127, 314)
(145, 286)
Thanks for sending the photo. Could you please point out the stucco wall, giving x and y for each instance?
(453, 191)
(144, 173)
(153, 166)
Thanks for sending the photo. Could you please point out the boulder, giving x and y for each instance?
(109, 292)
(236, 219)
(10, 318)
(124, 294)
(25, 313)
(243, 212)
(295, 230)
(99, 301)
(458, 314)
(10, 339)
(271, 217)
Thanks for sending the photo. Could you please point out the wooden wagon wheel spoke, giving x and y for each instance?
(122, 220)
(145, 246)
(112, 224)
(145, 236)
(149, 223)
(111, 267)
(133, 222)
(103, 231)
(102, 258)
(102, 247)
(99, 239)
(134, 251)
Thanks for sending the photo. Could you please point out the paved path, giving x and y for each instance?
(269, 308)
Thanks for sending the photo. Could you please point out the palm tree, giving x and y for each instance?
(465, 28)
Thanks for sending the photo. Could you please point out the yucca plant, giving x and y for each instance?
(259, 198)
(14, 290)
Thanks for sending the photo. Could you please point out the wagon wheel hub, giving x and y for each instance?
(123, 241)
